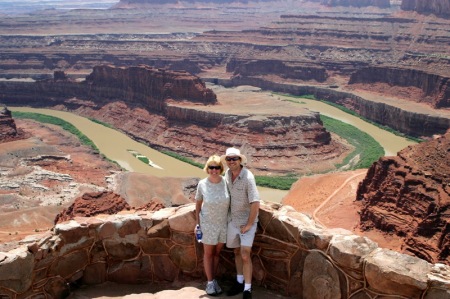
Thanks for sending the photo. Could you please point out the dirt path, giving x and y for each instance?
(334, 195)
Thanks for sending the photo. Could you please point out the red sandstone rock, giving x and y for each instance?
(148, 85)
(409, 195)
(438, 7)
(435, 88)
(91, 204)
(8, 129)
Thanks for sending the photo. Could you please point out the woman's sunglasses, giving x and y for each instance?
(214, 167)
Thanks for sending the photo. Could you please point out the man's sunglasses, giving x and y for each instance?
(232, 158)
(214, 167)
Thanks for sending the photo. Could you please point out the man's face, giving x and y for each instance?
(233, 162)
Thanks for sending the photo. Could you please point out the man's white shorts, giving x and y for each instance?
(235, 239)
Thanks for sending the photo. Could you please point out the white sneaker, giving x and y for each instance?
(210, 289)
(217, 287)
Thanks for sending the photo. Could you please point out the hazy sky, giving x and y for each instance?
(25, 6)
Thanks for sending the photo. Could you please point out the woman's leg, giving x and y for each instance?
(208, 261)
(216, 257)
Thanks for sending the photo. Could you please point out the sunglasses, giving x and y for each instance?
(214, 167)
(232, 158)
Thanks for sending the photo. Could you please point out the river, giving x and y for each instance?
(118, 146)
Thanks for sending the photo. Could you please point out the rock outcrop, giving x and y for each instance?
(284, 69)
(435, 88)
(437, 7)
(358, 3)
(94, 203)
(151, 87)
(409, 195)
(408, 122)
(8, 129)
(152, 110)
(292, 255)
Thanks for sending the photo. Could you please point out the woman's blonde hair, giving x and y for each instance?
(214, 159)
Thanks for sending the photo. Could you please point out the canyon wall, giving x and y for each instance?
(358, 3)
(292, 255)
(284, 69)
(299, 141)
(436, 88)
(409, 195)
(437, 7)
(148, 85)
(8, 127)
(410, 123)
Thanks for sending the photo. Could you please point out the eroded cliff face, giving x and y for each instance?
(284, 69)
(409, 122)
(8, 128)
(409, 195)
(147, 104)
(435, 88)
(148, 85)
(357, 3)
(437, 7)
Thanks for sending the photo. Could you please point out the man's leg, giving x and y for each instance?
(238, 261)
(238, 286)
(246, 260)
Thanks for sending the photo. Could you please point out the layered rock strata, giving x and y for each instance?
(152, 87)
(292, 255)
(409, 195)
(438, 7)
(8, 127)
(303, 42)
(284, 69)
(385, 113)
(270, 141)
(435, 88)
(357, 3)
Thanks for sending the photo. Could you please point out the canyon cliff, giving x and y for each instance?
(301, 43)
(357, 3)
(435, 89)
(8, 128)
(156, 106)
(437, 7)
(409, 195)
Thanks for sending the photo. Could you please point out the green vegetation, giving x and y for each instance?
(139, 156)
(367, 150)
(276, 182)
(43, 118)
(183, 159)
(102, 123)
(346, 110)
(59, 122)
(386, 128)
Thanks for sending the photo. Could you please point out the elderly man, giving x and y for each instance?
(242, 224)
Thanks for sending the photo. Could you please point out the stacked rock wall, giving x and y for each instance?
(410, 123)
(435, 88)
(292, 255)
(8, 127)
(148, 84)
(248, 68)
(409, 195)
(438, 7)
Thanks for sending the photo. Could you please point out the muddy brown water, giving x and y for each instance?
(118, 146)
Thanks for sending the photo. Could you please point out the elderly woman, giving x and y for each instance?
(211, 210)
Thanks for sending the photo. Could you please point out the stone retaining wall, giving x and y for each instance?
(292, 255)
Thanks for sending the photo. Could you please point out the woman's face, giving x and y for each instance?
(214, 169)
